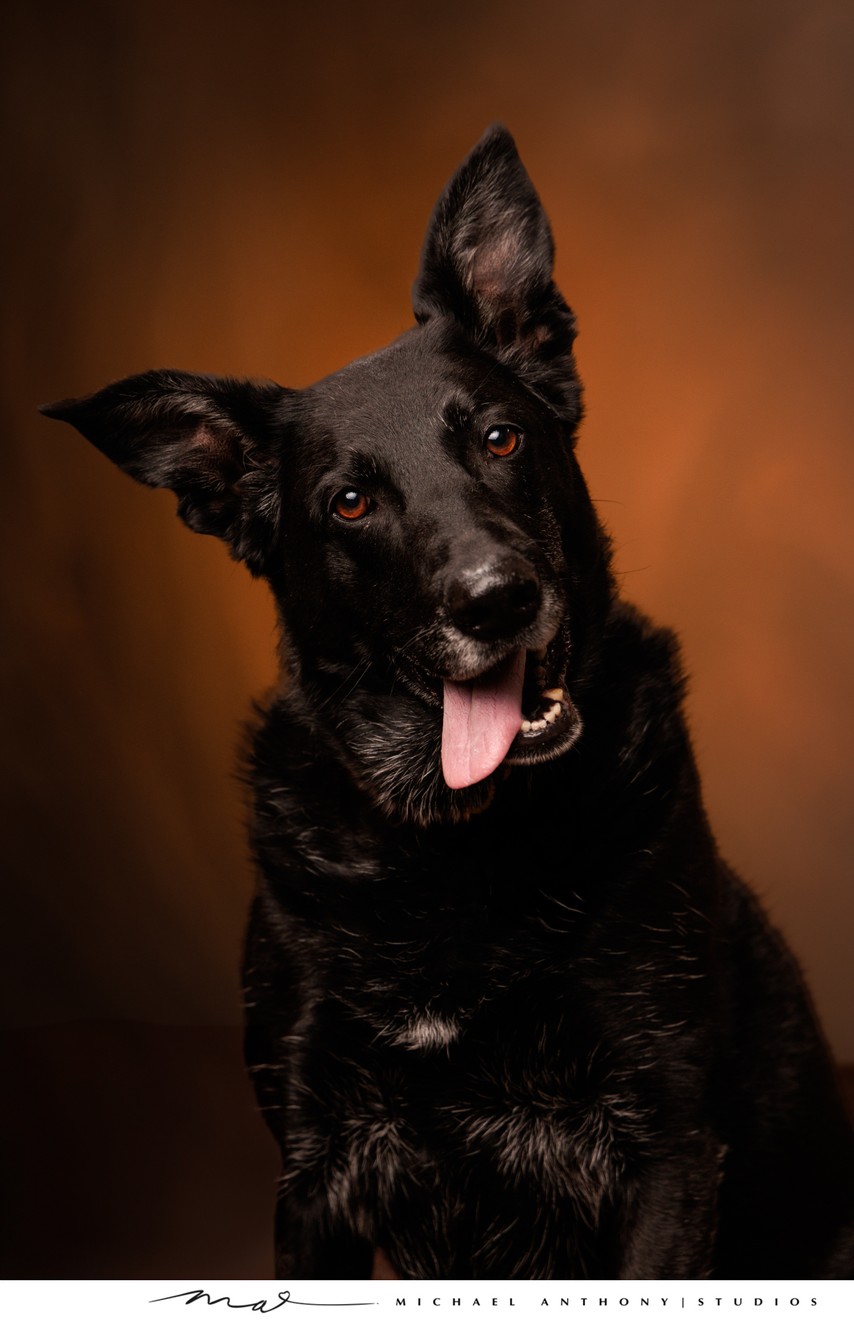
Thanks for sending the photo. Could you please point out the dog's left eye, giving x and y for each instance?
(352, 505)
(502, 441)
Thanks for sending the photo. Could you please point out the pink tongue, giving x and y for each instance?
(481, 720)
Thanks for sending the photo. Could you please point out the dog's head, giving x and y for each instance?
(419, 514)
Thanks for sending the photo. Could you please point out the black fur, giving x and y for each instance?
(533, 1027)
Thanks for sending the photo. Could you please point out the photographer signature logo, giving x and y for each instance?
(282, 1297)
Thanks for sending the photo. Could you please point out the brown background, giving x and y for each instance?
(243, 188)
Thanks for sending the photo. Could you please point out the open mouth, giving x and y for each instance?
(511, 713)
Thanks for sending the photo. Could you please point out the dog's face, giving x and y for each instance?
(419, 514)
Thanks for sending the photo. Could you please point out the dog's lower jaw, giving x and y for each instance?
(391, 745)
(541, 741)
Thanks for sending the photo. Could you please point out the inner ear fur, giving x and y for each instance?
(488, 261)
(214, 441)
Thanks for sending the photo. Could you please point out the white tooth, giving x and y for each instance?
(538, 725)
(555, 708)
(558, 694)
(526, 725)
(550, 715)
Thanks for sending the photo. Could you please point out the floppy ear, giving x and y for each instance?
(212, 440)
(487, 261)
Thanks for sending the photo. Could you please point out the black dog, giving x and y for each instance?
(509, 1013)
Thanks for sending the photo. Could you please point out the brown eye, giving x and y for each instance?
(352, 505)
(502, 441)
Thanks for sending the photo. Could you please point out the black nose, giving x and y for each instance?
(494, 600)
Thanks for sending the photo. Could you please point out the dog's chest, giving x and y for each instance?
(382, 1128)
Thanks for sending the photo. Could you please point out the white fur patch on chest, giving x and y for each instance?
(425, 1031)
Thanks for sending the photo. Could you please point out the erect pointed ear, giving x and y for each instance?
(487, 262)
(214, 441)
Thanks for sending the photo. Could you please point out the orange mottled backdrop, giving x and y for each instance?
(242, 188)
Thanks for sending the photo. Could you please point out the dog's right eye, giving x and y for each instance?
(502, 441)
(351, 505)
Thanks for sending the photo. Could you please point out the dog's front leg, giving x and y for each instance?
(669, 1222)
(310, 1248)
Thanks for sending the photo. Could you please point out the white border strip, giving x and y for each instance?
(406, 1301)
